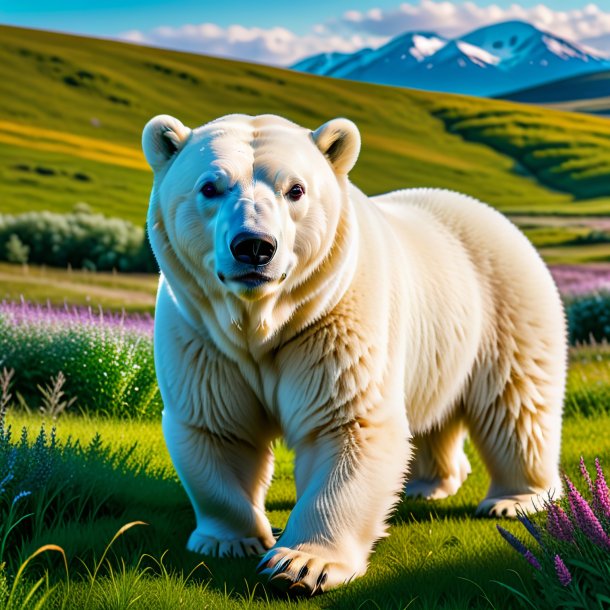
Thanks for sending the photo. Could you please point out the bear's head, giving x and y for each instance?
(249, 205)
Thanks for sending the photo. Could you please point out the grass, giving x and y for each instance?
(568, 152)
(437, 555)
(83, 143)
(134, 293)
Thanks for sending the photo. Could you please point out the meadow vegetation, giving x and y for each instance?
(567, 152)
(83, 143)
(80, 239)
(102, 464)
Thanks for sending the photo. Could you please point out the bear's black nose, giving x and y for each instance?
(253, 248)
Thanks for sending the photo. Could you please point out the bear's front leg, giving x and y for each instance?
(348, 479)
(226, 479)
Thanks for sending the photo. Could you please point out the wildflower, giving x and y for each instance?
(585, 518)
(519, 547)
(563, 574)
(585, 474)
(558, 523)
(530, 527)
(601, 496)
(20, 496)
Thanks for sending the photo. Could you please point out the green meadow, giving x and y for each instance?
(72, 112)
(436, 556)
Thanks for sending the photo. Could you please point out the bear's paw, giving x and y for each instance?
(240, 547)
(301, 573)
(513, 504)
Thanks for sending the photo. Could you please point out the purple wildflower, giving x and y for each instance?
(530, 527)
(563, 574)
(23, 312)
(601, 496)
(585, 474)
(585, 518)
(581, 279)
(519, 547)
(558, 523)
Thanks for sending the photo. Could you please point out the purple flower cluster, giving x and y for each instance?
(519, 547)
(585, 518)
(23, 312)
(558, 523)
(601, 496)
(575, 280)
(563, 574)
(582, 532)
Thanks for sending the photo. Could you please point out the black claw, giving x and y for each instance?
(505, 512)
(302, 573)
(321, 580)
(262, 564)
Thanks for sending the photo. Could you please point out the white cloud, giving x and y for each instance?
(277, 46)
(453, 19)
(356, 29)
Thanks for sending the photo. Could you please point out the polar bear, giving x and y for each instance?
(372, 333)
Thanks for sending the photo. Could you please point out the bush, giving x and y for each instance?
(571, 557)
(589, 318)
(16, 252)
(107, 360)
(81, 239)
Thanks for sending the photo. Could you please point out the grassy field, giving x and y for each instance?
(83, 142)
(437, 554)
(114, 291)
(117, 471)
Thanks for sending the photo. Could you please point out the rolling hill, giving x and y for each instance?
(585, 93)
(72, 110)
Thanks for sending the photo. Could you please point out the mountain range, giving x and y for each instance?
(495, 60)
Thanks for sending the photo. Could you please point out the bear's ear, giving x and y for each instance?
(162, 138)
(339, 141)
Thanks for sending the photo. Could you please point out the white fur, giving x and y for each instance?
(390, 325)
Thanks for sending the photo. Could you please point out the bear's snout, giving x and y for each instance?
(253, 248)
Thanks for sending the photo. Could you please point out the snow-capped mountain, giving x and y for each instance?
(491, 60)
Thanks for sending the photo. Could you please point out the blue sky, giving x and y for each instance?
(279, 31)
(111, 17)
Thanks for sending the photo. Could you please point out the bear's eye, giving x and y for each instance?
(296, 192)
(209, 190)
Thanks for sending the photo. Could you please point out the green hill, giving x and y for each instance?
(72, 110)
(581, 93)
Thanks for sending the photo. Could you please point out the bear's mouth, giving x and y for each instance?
(252, 279)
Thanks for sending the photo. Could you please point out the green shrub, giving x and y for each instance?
(107, 360)
(589, 318)
(81, 239)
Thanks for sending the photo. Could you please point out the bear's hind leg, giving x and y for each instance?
(439, 466)
(518, 435)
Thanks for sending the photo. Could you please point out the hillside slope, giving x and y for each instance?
(72, 110)
(584, 93)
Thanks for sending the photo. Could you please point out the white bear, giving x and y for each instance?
(365, 330)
